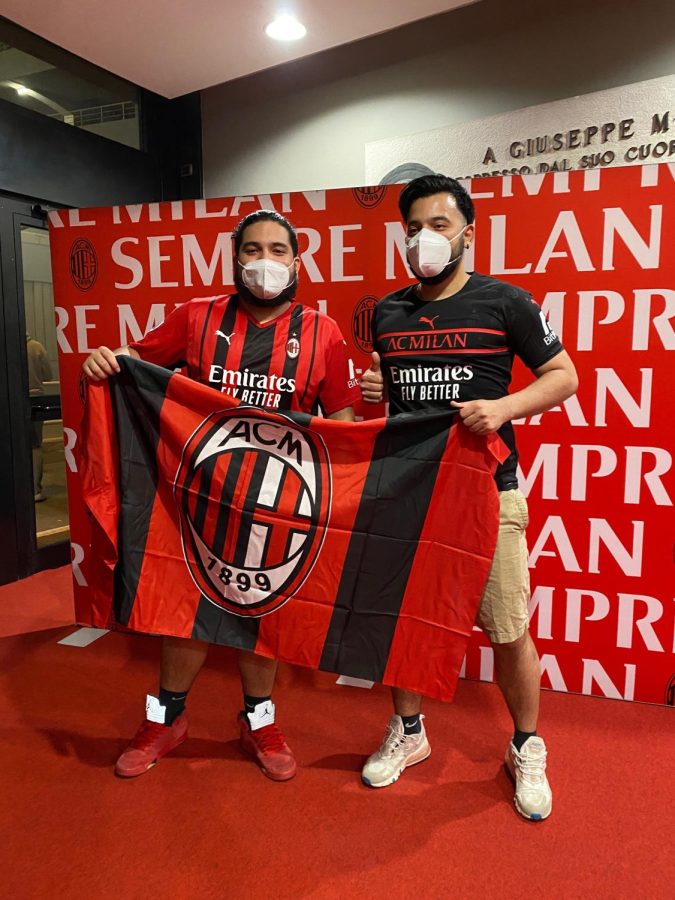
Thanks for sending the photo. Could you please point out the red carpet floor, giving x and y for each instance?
(205, 823)
(42, 601)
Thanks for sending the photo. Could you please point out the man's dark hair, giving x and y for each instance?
(264, 215)
(427, 186)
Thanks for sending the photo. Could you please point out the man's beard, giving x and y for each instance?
(285, 296)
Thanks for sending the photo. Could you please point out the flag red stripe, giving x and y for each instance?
(298, 629)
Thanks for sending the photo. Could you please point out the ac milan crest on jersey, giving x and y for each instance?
(253, 492)
(293, 348)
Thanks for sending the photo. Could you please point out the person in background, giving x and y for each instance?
(39, 371)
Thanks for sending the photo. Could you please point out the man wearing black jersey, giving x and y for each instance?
(450, 339)
(264, 348)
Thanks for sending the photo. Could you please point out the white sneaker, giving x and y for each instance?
(533, 798)
(398, 750)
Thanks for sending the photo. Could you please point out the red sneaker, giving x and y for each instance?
(269, 749)
(152, 741)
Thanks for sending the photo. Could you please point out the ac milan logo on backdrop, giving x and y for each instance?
(83, 264)
(361, 318)
(670, 692)
(369, 197)
(253, 491)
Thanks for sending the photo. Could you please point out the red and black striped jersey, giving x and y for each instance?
(295, 362)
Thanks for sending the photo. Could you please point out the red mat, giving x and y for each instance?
(42, 601)
(206, 823)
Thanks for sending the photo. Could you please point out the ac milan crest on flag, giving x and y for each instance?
(251, 549)
(358, 548)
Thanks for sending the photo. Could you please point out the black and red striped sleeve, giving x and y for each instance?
(167, 344)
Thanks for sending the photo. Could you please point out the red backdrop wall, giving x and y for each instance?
(594, 248)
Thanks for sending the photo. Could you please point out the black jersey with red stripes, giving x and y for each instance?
(297, 361)
(460, 348)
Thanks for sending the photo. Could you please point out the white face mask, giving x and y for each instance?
(266, 278)
(429, 252)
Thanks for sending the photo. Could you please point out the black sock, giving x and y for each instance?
(250, 703)
(412, 724)
(519, 738)
(174, 702)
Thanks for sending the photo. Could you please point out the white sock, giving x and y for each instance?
(262, 715)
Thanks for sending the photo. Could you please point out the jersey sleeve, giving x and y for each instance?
(338, 388)
(528, 331)
(166, 345)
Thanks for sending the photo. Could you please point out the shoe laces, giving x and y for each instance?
(531, 768)
(147, 734)
(393, 741)
(269, 738)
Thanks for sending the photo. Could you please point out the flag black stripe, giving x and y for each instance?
(137, 401)
(397, 491)
(219, 627)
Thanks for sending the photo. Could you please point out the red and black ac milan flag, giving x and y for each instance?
(358, 548)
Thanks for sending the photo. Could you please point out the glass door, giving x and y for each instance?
(42, 378)
(34, 531)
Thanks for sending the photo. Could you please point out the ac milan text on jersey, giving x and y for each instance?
(460, 348)
(297, 361)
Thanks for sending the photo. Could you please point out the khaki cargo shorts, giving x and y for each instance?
(502, 613)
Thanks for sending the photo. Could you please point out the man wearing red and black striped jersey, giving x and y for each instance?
(263, 348)
(295, 361)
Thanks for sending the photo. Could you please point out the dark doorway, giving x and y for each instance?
(34, 532)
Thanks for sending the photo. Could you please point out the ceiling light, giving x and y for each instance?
(21, 90)
(285, 28)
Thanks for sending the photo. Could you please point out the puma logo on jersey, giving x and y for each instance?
(228, 337)
(429, 322)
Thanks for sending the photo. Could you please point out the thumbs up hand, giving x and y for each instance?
(372, 382)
